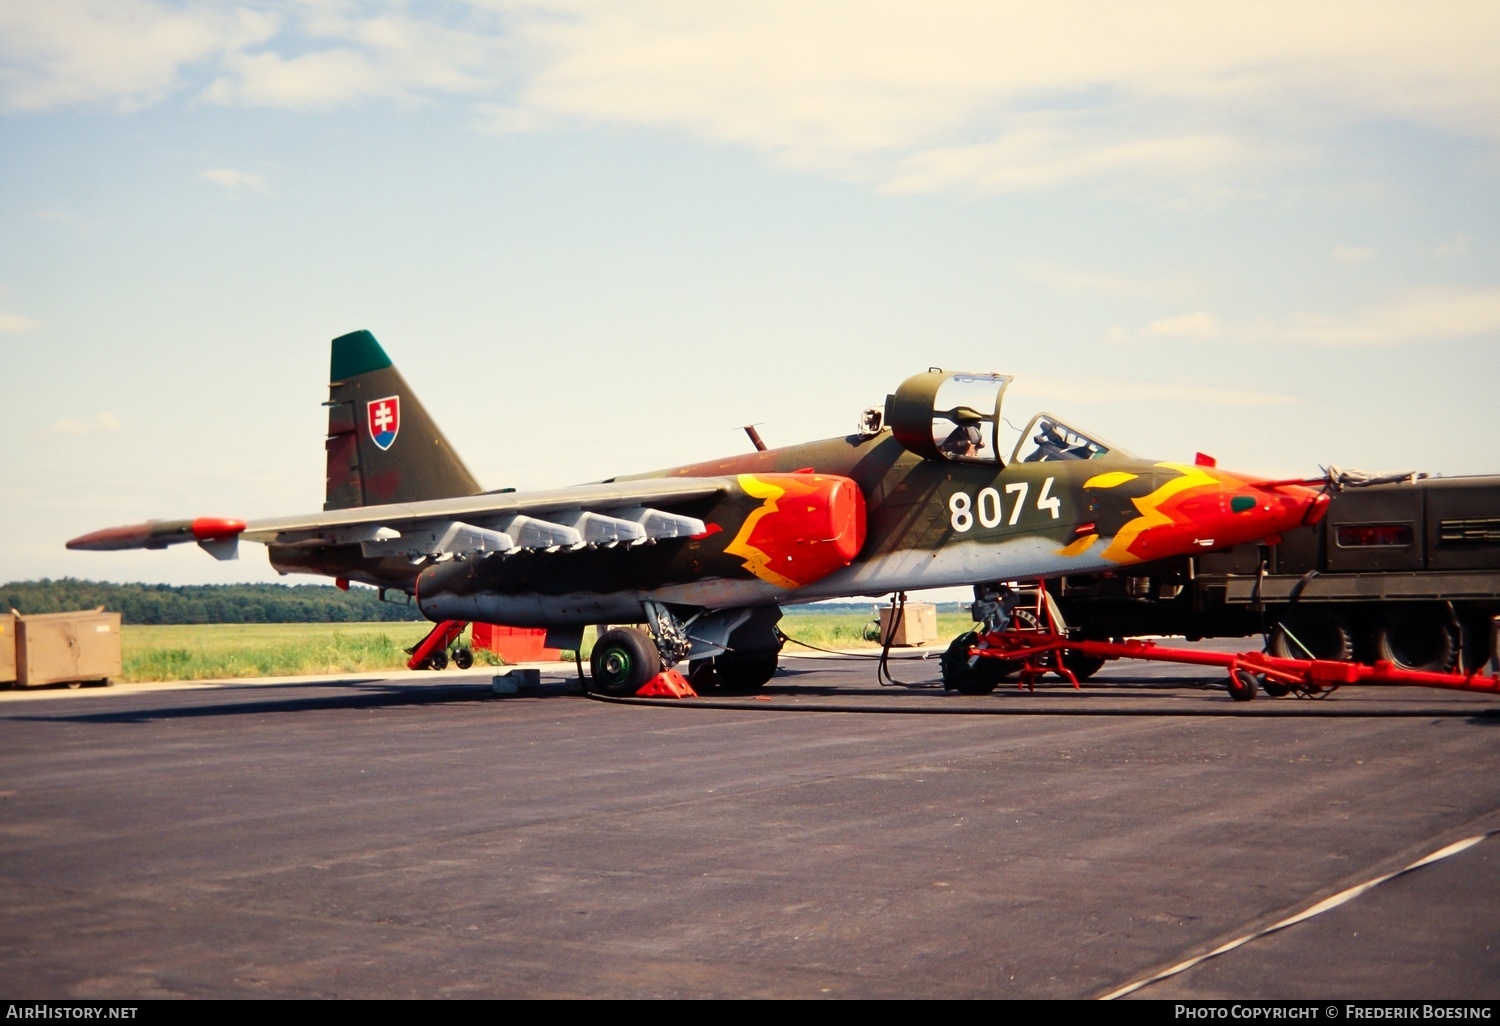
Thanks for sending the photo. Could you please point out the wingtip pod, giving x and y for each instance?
(158, 534)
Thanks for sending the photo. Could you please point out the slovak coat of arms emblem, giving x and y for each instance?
(385, 420)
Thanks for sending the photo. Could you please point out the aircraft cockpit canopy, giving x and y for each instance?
(951, 416)
(1047, 440)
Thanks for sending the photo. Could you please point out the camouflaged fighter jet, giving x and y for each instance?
(705, 555)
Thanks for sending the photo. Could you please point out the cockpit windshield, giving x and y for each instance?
(1047, 440)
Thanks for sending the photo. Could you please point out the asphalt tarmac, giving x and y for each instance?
(421, 837)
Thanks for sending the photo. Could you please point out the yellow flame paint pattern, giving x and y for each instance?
(1151, 514)
(756, 561)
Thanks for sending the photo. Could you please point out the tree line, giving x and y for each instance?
(205, 603)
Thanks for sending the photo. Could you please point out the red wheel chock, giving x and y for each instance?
(667, 684)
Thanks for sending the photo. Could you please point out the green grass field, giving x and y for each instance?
(199, 651)
(212, 652)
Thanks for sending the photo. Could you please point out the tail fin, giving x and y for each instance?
(382, 445)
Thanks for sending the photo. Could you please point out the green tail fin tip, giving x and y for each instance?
(354, 354)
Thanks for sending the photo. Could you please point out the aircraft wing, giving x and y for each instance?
(565, 518)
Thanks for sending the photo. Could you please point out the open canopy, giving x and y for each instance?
(955, 415)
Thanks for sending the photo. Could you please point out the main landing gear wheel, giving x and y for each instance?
(1083, 666)
(624, 659)
(739, 672)
(1242, 685)
(733, 673)
(978, 679)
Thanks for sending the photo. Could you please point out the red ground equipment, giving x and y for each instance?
(1046, 648)
(431, 653)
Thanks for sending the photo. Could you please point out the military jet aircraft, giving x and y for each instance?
(705, 555)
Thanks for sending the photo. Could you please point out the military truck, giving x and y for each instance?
(1405, 570)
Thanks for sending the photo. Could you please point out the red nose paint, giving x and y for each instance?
(1201, 516)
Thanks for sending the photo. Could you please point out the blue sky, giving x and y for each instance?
(599, 238)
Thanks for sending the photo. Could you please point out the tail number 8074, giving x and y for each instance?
(987, 508)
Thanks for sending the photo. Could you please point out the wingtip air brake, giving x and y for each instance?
(218, 536)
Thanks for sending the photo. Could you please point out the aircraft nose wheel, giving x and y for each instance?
(463, 658)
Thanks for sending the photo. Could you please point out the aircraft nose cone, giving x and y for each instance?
(1257, 509)
(1197, 509)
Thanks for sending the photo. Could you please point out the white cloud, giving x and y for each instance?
(1197, 325)
(1431, 314)
(15, 324)
(907, 98)
(121, 52)
(68, 218)
(1031, 158)
(103, 423)
(1006, 96)
(1086, 389)
(1456, 246)
(1353, 254)
(1418, 315)
(234, 180)
(1073, 279)
(386, 56)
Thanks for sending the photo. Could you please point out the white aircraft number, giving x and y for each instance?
(988, 509)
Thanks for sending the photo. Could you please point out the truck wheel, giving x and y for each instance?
(1319, 635)
(623, 660)
(978, 679)
(1416, 638)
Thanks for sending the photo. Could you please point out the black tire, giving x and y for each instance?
(438, 660)
(979, 679)
(1274, 689)
(1326, 635)
(740, 673)
(623, 660)
(701, 675)
(1242, 685)
(1417, 638)
(463, 658)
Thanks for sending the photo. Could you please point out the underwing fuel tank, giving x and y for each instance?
(765, 536)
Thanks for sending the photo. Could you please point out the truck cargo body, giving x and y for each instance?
(1406, 571)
